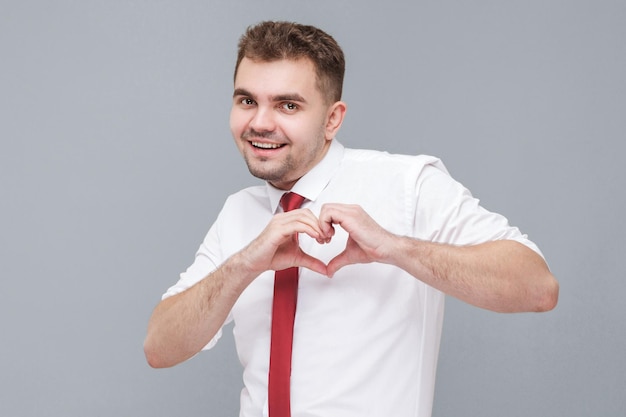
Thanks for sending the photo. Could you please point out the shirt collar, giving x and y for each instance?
(313, 182)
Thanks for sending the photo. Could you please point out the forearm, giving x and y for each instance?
(503, 276)
(183, 324)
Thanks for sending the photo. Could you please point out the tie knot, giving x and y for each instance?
(291, 201)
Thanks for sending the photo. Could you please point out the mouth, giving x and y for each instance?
(263, 145)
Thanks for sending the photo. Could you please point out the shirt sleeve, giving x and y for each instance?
(446, 212)
(207, 259)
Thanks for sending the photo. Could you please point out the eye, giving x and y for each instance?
(246, 101)
(289, 106)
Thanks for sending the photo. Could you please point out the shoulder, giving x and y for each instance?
(381, 162)
(243, 216)
(248, 197)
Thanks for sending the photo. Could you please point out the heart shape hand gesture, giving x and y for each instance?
(277, 248)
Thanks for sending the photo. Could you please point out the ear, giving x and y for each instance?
(336, 113)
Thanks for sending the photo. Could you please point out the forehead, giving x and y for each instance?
(277, 77)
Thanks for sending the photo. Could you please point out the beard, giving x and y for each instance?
(291, 166)
(271, 172)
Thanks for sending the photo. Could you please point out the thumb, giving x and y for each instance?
(314, 264)
(337, 263)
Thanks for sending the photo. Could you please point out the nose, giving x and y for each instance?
(263, 120)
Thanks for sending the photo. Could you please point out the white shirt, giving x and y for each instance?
(366, 341)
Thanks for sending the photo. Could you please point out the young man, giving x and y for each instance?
(379, 240)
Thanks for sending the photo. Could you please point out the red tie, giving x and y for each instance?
(283, 314)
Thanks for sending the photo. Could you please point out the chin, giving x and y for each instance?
(264, 174)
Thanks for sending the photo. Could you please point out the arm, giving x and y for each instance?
(503, 275)
(182, 325)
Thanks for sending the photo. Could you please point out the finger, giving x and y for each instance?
(327, 218)
(303, 221)
(286, 227)
(314, 264)
(337, 263)
(337, 214)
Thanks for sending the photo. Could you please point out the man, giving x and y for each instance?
(379, 240)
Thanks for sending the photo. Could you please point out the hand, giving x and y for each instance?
(367, 240)
(277, 248)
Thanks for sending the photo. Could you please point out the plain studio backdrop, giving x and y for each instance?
(116, 157)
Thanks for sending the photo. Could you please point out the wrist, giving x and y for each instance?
(392, 250)
(410, 254)
(239, 270)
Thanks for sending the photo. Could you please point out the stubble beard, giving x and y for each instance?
(260, 169)
(285, 170)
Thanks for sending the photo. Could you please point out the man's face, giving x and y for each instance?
(279, 119)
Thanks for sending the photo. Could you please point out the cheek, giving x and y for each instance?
(237, 123)
(303, 130)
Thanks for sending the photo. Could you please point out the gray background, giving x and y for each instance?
(116, 156)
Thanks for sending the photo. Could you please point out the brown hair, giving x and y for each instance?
(271, 41)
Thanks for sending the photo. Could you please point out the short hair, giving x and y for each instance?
(272, 41)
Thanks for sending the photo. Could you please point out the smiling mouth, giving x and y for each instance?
(261, 145)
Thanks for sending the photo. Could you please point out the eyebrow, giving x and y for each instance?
(289, 97)
(241, 92)
(281, 97)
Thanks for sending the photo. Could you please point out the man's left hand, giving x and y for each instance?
(367, 240)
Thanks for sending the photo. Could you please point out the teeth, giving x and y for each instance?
(266, 145)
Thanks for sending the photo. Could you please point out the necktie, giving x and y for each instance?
(283, 314)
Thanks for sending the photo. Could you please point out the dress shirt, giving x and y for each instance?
(366, 341)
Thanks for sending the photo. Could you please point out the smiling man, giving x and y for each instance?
(282, 123)
(394, 232)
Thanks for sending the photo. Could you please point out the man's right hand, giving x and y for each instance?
(276, 248)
